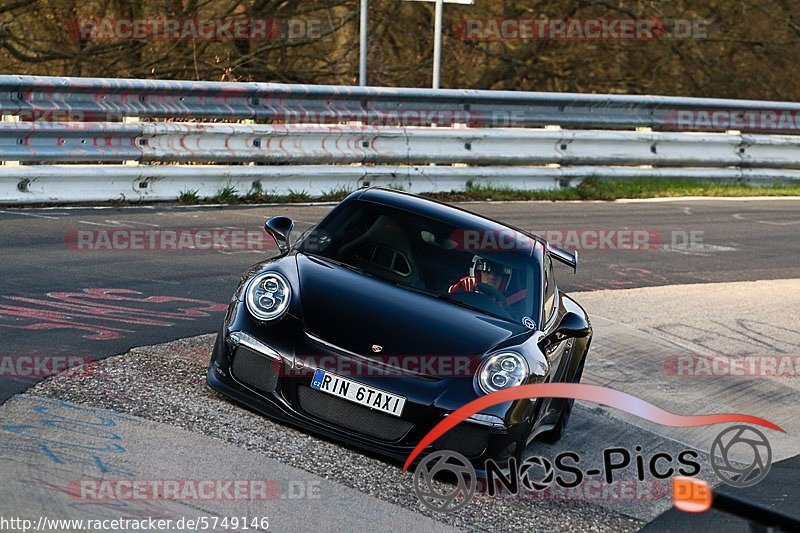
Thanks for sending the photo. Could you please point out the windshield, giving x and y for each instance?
(475, 267)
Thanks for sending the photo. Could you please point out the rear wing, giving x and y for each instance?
(569, 259)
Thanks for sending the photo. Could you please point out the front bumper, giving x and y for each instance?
(265, 376)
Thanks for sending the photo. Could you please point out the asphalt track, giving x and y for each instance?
(44, 309)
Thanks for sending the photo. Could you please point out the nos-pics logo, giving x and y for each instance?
(457, 481)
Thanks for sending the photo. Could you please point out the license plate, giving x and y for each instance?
(357, 393)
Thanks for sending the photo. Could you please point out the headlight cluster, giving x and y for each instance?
(268, 296)
(501, 371)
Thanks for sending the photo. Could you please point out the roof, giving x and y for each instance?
(434, 209)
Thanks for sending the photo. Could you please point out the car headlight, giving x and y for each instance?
(268, 296)
(501, 371)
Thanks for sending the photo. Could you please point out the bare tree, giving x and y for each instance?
(738, 49)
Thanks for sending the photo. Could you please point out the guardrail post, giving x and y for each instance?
(248, 122)
(10, 118)
(130, 120)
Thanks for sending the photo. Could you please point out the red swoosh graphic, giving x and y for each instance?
(590, 393)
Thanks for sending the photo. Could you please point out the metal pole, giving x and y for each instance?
(362, 60)
(437, 43)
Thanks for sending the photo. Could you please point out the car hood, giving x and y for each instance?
(354, 311)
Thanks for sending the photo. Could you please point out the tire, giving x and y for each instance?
(555, 434)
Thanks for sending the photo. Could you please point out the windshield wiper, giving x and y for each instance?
(444, 297)
(339, 263)
(429, 292)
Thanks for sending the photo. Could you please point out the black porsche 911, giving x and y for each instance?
(393, 312)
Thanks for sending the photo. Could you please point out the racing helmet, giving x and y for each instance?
(481, 264)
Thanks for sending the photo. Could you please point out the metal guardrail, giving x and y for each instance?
(322, 138)
(29, 184)
(260, 143)
(85, 99)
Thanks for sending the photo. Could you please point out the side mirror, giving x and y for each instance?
(572, 325)
(280, 228)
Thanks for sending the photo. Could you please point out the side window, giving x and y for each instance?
(549, 289)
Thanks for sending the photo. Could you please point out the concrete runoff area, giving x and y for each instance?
(57, 455)
(172, 426)
(704, 348)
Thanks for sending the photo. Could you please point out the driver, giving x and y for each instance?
(485, 277)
